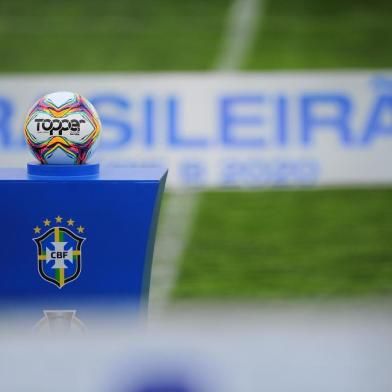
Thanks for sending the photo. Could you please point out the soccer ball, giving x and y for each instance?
(62, 128)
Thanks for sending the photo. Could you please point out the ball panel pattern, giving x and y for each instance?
(62, 128)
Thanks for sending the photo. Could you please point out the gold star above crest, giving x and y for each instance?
(70, 222)
(37, 230)
(47, 222)
(81, 229)
(59, 219)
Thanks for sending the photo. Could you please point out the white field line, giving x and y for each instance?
(178, 213)
(174, 229)
(242, 23)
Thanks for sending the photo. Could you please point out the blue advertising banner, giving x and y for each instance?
(213, 130)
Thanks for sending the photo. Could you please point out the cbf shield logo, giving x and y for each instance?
(59, 251)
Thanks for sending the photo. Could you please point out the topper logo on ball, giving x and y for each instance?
(59, 250)
(57, 125)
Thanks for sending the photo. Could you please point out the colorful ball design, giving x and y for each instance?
(62, 128)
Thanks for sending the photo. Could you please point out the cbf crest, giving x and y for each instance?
(59, 250)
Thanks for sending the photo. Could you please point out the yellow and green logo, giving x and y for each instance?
(59, 250)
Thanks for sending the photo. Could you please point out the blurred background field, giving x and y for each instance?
(174, 35)
(323, 35)
(270, 244)
(116, 35)
(289, 244)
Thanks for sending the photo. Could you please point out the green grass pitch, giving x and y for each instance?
(306, 34)
(290, 244)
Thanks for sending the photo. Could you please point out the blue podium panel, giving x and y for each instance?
(67, 239)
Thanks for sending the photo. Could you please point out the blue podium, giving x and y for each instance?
(72, 235)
